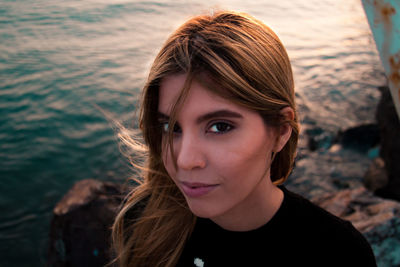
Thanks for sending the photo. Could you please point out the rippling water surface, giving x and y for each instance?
(58, 60)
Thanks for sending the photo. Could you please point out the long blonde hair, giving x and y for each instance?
(245, 62)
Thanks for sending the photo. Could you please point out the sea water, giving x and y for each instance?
(60, 60)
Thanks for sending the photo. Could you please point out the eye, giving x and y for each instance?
(165, 127)
(220, 128)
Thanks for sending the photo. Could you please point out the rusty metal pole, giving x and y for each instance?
(384, 21)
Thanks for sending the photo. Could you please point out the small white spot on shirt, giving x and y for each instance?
(198, 262)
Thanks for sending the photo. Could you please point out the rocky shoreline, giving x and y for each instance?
(354, 175)
(80, 227)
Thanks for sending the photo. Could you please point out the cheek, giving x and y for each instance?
(244, 160)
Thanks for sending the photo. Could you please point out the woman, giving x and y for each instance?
(220, 127)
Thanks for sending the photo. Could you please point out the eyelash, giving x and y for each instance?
(177, 130)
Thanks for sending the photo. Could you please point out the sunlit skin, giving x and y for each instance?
(223, 154)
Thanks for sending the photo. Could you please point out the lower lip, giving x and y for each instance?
(197, 191)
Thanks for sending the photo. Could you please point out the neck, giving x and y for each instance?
(255, 211)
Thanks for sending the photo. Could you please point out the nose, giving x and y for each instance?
(190, 154)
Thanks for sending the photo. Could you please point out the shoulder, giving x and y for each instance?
(314, 219)
(325, 232)
(310, 214)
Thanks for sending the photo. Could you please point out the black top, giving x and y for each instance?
(299, 234)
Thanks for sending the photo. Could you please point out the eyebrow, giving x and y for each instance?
(224, 113)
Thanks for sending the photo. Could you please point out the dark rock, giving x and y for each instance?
(389, 127)
(312, 144)
(81, 225)
(376, 176)
(360, 138)
(318, 138)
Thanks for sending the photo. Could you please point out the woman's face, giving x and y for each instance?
(223, 152)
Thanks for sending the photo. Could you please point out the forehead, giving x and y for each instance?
(198, 97)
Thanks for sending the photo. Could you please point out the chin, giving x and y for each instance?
(203, 212)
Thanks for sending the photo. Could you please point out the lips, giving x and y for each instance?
(197, 189)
